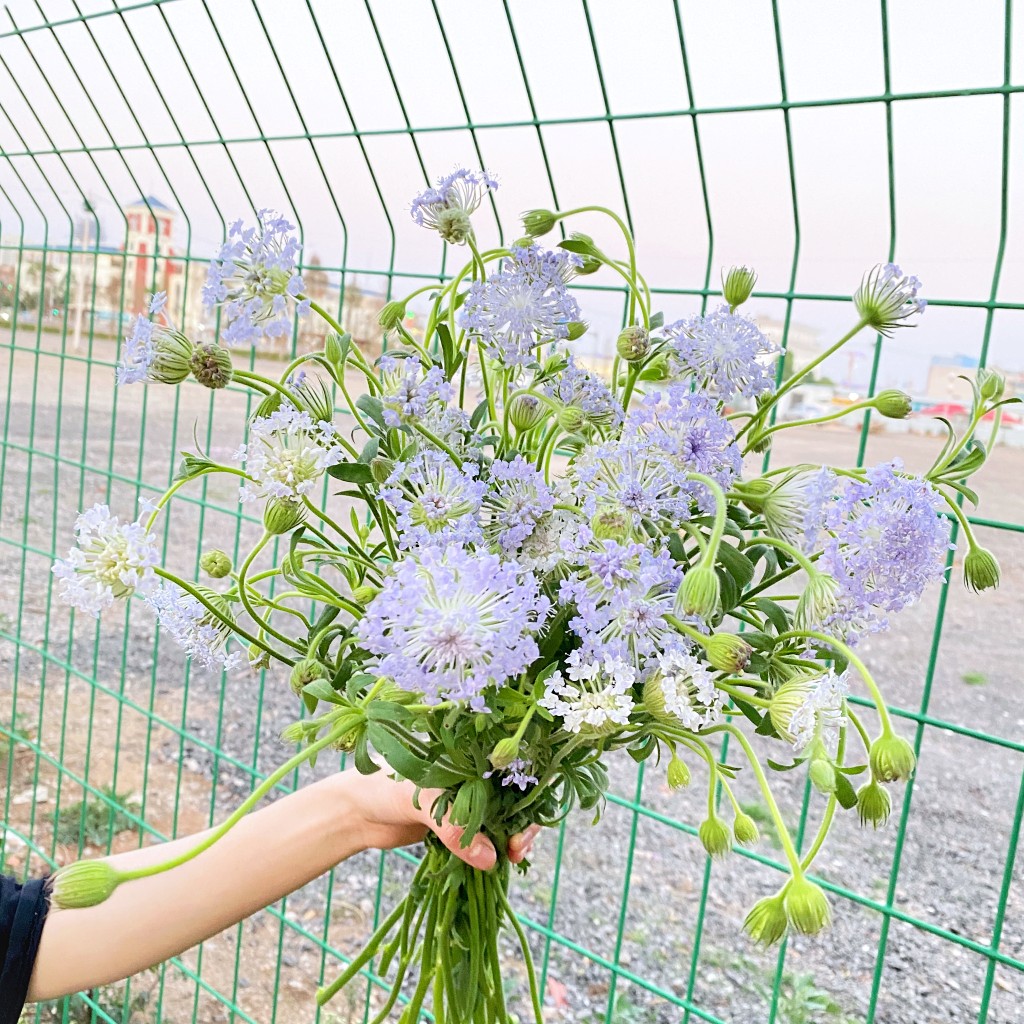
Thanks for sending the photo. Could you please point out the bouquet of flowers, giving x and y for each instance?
(517, 567)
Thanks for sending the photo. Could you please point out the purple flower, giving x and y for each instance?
(886, 542)
(194, 627)
(886, 297)
(622, 594)
(447, 207)
(252, 277)
(725, 351)
(517, 499)
(517, 773)
(154, 352)
(523, 306)
(435, 502)
(577, 388)
(449, 623)
(409, 390)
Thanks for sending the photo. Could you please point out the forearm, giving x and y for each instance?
(266, 856)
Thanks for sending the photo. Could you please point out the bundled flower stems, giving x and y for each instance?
(547, 567)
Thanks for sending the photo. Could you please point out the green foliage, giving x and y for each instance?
(95, 818)
(112, 1003)
(975, 678)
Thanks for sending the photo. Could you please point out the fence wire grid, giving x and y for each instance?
(195, 112)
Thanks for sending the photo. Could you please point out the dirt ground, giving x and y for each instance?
(119, 708)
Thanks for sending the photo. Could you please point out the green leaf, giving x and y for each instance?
(364, 763)
(767, 728)
(351, 472)
(773, 613)
(736, 563)
(192, 466)
(749, 711)
(373, 407)
(370, 449)
(322, 690)
(845, 793)
(577, 245)
(775, 766)
(657, 320)
(852, 769)
(640, 752)
(396, 753)
(758, 640)
(479, 414)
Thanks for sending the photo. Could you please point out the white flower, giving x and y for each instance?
(112, 561)
(688, 689)
(596, 696)
(287, 454)
(806, 710)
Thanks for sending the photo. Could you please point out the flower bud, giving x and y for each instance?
(806, 906)
(737, 284)
(745, 829)
(85, 883)
(215, 563)
(873, 804)
(633, 344)
(753, 493)
(893, 403)
(822, 774)
(333, 350)
(892, 758)
(761, 443)
(504, 752)
(306, 671)
(818, 603)
(294, 733)
(727, 652)
(576, 329)
(282, 516)
(381, 469)
(590, 264)
(611, 524)
(364, 595)
(700, 593)
(539, 222)
(572, 419)
(981, 570)
(211, 366)
(258, 657)
(715, 836)
(678, 773)
(767, 922)
(991, 384)
(391, 315)
(527, 411)
(172, 357)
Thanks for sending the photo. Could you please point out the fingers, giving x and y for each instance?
(519, 846)
(479, 854)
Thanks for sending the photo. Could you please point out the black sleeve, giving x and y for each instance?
(22, 913)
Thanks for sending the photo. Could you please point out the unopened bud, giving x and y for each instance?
(761, 443)
(381, 469)
(892, 758)
(572, 419)
(85, 883)
(818, 603)
(767, 922)
(737, 284)
(745, 829)
(611, 524)
(873, 804)
(700, 593)
(527, 411)
(806, 906)
(294, 733)
(633, 344)
(364, 595)
(822, 774)
(172, 356)
(991, 384)
(505, 752)
(306, 671)
(539, 222)
(678, 773)
(728, 653)
(715, 836)
(334, 351)
(753, 493)
(981, 570)
(215, 563)
(211, 366)
(282, 516)
(391, 315)
(893, 403)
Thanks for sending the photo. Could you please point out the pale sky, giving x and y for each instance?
(947, 152)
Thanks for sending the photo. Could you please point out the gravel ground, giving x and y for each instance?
(952, 859)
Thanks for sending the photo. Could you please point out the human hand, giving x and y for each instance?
(386, 811)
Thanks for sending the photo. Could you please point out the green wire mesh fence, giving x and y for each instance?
(808, 139)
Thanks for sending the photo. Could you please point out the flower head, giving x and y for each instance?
(725, 351)
(449, 623)
(522, 306)
(201, 634)
(154, 352)
(795, 508)
(111, 562)
(287, 454)
(578, 389)
(887, 297)
(806, 710)
(409, 390)
(253, 276)
(435, 501)
(594, 696)
(681, 687)
(516, 773)
(446, 208)
(516, 500)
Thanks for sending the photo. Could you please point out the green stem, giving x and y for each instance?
(798, 556)
(531, 975)
(244, 597)
(434, 439)
(867, 403)
(178, 484)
